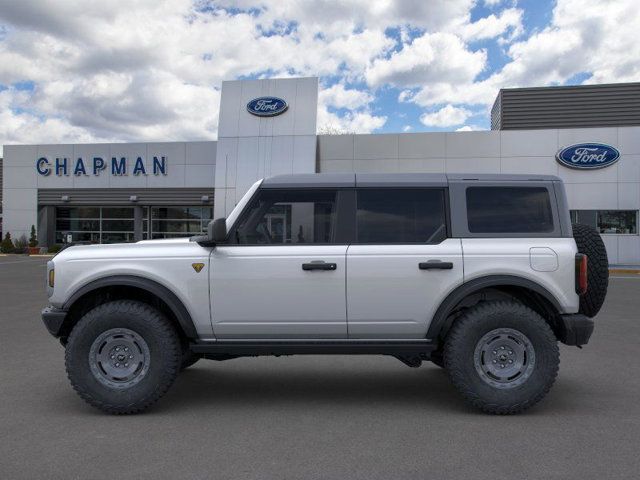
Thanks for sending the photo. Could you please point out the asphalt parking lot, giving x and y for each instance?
(316, 417)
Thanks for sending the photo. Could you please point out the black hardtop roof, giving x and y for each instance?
(344, 180)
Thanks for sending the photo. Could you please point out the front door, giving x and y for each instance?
(282, 273)
(402, 264)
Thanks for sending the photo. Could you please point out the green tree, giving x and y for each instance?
(33, 239)
(7, 244)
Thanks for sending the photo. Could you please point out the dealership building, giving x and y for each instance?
(100, 193)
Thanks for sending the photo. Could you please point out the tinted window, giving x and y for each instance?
(509, 210)
(401, 216)
(288, 216)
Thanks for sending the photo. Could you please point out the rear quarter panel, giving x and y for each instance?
(529, 258)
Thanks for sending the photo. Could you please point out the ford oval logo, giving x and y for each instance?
(588, 156)
(267, 106)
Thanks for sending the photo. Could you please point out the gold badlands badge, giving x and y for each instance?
(197, 267)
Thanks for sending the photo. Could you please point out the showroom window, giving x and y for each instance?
(616, 222)
(509, 210)
(172, 222)
(389, 215)
(94, 224)
(288, 216)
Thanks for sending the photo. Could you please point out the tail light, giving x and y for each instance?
(581, 274)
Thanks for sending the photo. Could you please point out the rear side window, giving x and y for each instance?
(388, 215)
(509, 210)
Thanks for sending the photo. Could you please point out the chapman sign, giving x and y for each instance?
(267, 106)
(116, 166)
(588, 156)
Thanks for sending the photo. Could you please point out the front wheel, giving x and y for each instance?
(122, 356)
(502, 357)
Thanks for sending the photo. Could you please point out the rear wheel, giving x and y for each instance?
(122, 356)
(502, 357)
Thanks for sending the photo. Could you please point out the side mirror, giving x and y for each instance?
(217, 230)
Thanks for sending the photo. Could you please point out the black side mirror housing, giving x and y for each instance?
(217, 230)
(216, 233)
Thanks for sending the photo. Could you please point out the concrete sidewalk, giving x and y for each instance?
(631, 269)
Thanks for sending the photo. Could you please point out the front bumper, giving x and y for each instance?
(53, 319)
(575, 329)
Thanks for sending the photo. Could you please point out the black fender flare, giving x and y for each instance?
(163, 293)
(439, 320)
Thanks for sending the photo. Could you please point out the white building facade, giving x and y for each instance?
(126, 192)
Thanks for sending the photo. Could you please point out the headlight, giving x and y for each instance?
(52, 277)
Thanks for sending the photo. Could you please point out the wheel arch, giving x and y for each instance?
(522, 289)
(128, 286)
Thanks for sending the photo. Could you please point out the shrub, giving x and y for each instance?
(33, 239)
(54, 248)
(7, 244)
(21, 244)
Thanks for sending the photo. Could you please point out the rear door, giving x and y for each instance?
(402, 263)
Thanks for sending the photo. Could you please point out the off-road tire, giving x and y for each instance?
(590, 243)
(164, 356)
(469, 330)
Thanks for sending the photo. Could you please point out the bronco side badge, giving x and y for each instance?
(197, 266)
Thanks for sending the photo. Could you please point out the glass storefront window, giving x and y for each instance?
(94, 224)
(616, 222)
(117, 224)
(174, 222)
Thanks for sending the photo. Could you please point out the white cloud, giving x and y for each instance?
(432, 57)
(405, 96)
(152, 70)
(583, 37)
(447, 116)
(357, 119)
(17, 125)
(468, 128)
(509, 20)
(352, 122)
(340, 97)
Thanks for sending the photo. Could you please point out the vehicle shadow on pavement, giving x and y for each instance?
(215, 385)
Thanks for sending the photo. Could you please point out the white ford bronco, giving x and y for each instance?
(480, 274)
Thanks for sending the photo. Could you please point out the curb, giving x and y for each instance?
(624, 270)
(26, 255)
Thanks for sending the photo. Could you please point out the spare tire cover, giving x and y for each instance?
(590, 243)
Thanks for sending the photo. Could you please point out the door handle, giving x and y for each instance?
(319, 265)
(435, 265)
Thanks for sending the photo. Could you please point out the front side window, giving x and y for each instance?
(509, 210)
(388, 215)
(277, 217)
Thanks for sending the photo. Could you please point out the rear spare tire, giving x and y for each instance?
(590, 243)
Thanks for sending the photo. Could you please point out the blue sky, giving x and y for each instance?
(76, 71)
